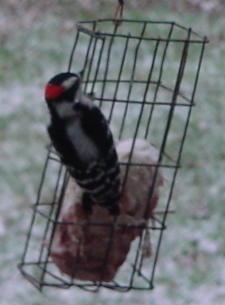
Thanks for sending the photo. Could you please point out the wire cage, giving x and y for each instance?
(144, 76)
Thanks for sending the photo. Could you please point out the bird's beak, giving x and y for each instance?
(81, 74)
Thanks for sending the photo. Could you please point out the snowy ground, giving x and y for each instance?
(192, 258)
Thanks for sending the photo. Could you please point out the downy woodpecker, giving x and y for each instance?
(80, 134)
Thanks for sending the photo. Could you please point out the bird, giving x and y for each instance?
(81, 136)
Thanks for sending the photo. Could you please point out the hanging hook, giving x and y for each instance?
(118, 15)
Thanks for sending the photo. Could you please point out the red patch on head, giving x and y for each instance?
(53, 91)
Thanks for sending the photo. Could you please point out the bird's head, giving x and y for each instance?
(63, 87)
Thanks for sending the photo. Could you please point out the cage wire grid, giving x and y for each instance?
(137, 72)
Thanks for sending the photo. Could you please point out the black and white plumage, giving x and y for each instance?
(80, 134)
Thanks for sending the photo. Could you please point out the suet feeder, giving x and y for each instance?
(144, 75)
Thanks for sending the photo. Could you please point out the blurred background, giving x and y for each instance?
(36, 38)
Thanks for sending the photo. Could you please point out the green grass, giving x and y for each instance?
(190, 270)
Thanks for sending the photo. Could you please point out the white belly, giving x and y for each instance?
(85, 147)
